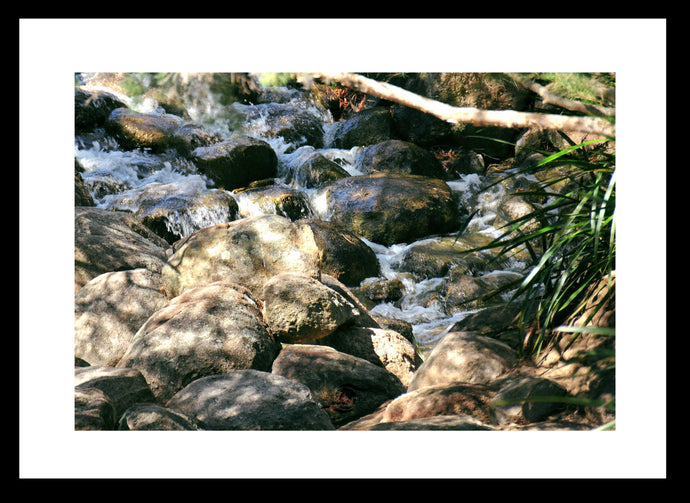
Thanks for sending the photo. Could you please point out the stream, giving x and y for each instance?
(121, 180)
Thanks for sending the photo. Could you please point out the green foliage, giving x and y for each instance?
(573, 247)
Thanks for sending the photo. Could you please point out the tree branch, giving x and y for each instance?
(549, 97)
(500, 118)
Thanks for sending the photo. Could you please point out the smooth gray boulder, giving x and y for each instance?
(205, 331)
(250, 400)
(110, 309)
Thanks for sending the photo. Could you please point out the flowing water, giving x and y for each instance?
(124, 179)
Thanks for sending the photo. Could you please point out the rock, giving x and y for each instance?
(347, 387)
(110, 309)
(250, 400)
(236, 161)
(177, 216)
(301, 309)
(93, 410)
(466, 357)
(455, 398)
(465, 292)
(315, 171)
(106, 241)
(143, 130)
(123, 387)
(419, 127)
(374, 290)
(437, 256)
(82, 196)
(365, 319)
(279, 200)
(370, 126)
(525, 399)
(151, 416)
(248, 251)
(392, 208)
(92, 109)
(295, 124)
(341, 253)
(444, 422)
(205, 331)
(382, 347)
(397, 156)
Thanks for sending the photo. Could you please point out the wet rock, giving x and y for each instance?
(236, 161)
(275, 199)
(315, 171)
(397, 156)
(292, 122)
(176, 216)
(342, 254)
(419, 127)
(392, 208)
(436, 257)
(205, 331)
(92, 109)
(300, 309)
(345, 386)
(143, 130)
(250, 400)
(466, 357)
(370, 126)
(110, 309)
(82, 196)
(151, 416)
(465, 292)
(247, 251)
(106, 241)
(123, 387)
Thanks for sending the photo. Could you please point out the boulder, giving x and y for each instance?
(379, 346)
(367, 127)
(93, 410)
(275, 199)
(247, 251)
(436, 257)
(397, 156)
(521, 399)
(345, 386)
(294, 123)
(301, 309)
(92, 109)
(236, 161)
(392, 208)
(462, 422)
(110, 309)
(465, 292)
(151, 416)
(152, 131)
(467, 357)
(123, 387)
(315, 171)
(457, 398)
(177, 216)
(250, 400)
(106, 241)
(341, 253)
(205, 331)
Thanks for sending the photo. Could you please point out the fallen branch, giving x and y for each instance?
(500, 118)
(549, 97)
